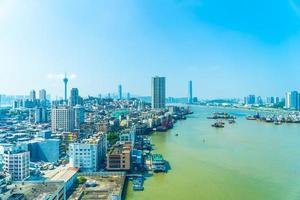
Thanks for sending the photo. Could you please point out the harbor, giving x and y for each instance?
(229, 163)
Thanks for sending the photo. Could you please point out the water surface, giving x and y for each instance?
(247, 160)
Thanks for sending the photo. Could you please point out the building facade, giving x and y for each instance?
(74, 98)
(158, 92)
(88, 155)
(62, 119)
(16, 163)
(190, 95)
(292, 100)
(119, 158)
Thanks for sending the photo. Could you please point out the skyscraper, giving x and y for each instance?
(74, 96)
(128, 96)
(79, 115)
(292, 100)
(120, 91)
(43, 95)
(190, 89)
(65, 80)
(32, 95)
(158, 93)
(63, 119)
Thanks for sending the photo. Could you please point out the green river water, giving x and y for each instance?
(247, 160)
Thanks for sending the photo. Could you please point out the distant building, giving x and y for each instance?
(88, 154)
(16, 163)
(277, 100)
(74, 98)
(43, 95)
(120, 91)
(292, 100)
(190, 89)
(62, 119)
(32, 95)
(250, 99)
(79, 115)
(158, 92)
(270, 100)
(38, 115)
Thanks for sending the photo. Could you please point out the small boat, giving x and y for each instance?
(231, 121)
(277, 123)
(250, 118)
(176, 134)
(218, 125)
(138, 184)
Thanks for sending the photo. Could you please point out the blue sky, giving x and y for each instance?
(228, 48)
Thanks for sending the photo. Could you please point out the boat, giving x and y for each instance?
(231, 121)
(250, 118)
(277, 123)
(176, 134)
(269, 120)
(158, 163)
(138, 184)
(218, 125)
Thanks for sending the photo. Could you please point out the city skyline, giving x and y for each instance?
(101, 45)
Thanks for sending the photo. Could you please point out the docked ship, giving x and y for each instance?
(138, 184)
(158, 163)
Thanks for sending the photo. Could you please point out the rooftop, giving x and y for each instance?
(64, 174)
(106, 185)
(32, 190)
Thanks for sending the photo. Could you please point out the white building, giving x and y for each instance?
(292, 100)
(63, 119)
(158, 92)
(88, 154)
(16, 163)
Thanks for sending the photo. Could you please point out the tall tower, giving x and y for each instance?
(158, 92)
(190, 89)
(66, 87)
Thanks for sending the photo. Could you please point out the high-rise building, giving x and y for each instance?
(63, 119)
(277, 100)
(89, 153)
(38, 115)
(120, 91)
(158, 92)
(74, 98)
(190, 89)
(79, 115)
(32, 95)
(128, 96)
(250, 99)
(65, 80)
(292, 100)
(43, 95)
(16, 163)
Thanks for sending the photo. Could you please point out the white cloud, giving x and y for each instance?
(53, 76)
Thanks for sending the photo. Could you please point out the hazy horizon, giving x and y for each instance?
(228, 49)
